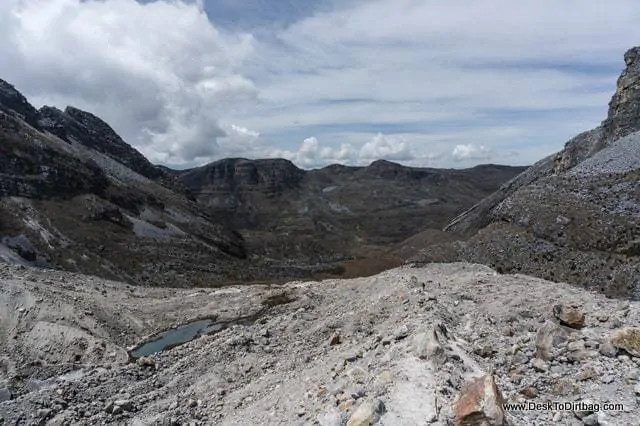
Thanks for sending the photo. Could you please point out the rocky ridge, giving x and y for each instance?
(441, 344)
(573, 216)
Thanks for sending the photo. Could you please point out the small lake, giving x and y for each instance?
(176, 336)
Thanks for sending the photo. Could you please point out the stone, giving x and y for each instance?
(346, 405)
(125, 404)
(401, 333)
(569, 315)
(584, 409)
(591, 420)
(331, 418)
(576, 346)
(367, 413)
(357, 392)
(428, 345)
(358, 375)
(43, 413)
(529, 392)
(549, 337)
(608, 350)
(520, 358)
(539, 365)
(587, 372)
(564, 387)
(334, 340)
(480, 404)
(628, 340)
(144, 361)
(5, 394)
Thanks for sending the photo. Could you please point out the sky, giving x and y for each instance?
(420, 82)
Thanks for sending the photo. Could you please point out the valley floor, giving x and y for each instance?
(395, 349)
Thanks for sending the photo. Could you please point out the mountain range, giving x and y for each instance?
(75, 196)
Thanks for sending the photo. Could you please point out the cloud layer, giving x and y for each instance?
(160, 72)
(420, 82)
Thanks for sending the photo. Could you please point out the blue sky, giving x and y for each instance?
(422, 82)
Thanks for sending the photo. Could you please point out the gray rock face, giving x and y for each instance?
(39, 171)
(624, 108)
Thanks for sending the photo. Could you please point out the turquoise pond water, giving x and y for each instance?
(176, 336)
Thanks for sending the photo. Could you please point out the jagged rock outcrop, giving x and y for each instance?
(13, 102)
(35, 170)
(573, 216)
(75, 125)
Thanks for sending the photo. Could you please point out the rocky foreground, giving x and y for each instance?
(440, 344)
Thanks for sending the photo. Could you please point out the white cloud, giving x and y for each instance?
(470, 152)
(387, 148)
(160, 73)
(312, 154)
(435, 77)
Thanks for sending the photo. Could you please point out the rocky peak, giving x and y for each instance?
(13, 102)
(624, 108)
(94, 133)
(623, 118)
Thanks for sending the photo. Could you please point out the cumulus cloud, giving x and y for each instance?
(387, 148)
(160, 72)
(470, 152)
(312, 154)
(186, 87)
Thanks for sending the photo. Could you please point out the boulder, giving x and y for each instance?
(480, 404)
(569, 315)
(549, 336)
(5, 394)
(367, 413)
(628, 340)
(428, 345)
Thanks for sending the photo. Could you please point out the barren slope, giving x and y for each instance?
(405, 342)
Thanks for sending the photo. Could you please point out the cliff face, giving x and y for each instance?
(13, 102)
(574, 216)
